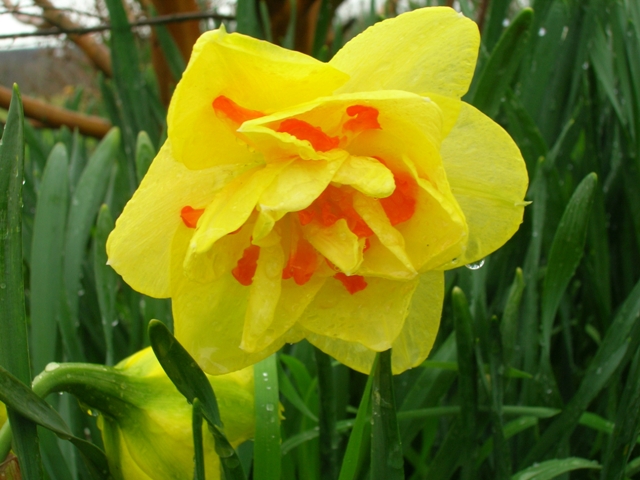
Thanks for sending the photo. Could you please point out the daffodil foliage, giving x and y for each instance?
(300, 199)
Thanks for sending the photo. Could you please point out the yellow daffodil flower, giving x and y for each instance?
(300, 199)
(148, 435)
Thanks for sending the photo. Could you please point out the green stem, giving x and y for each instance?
(387, 461)
(329, 438)
(103, 388)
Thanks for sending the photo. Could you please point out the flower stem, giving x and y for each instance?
(387, 461)
(329, 439)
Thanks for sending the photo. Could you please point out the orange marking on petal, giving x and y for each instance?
(367, 245)
(234, 112)
(401, 204)
(302, 263)
(302, 130)
(365, 118)
(353, 284)
(306, 216)
(190, 216)
(246, 267)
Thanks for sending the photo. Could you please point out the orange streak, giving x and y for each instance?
(366, 118)
(190, 216)
(353, 284)
(401, 204)
(246, 267)
(302, 263)
(234, 112)
(302, 130)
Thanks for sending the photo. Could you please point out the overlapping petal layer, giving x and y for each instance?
(321, 200)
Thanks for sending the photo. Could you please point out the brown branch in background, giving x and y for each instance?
(450, 3)
(56, 117)
(27, 19)
(482, 14)
(165, 19)
(97, 53)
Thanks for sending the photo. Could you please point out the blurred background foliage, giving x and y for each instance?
(535, 370)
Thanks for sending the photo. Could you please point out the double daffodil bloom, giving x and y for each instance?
(300, 199)
(146, 427)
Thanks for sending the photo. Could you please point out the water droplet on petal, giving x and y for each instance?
(475, 265)
(542, 32)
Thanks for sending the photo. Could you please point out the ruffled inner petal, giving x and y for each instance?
(255, 75)
(367, 175)
(337, 243)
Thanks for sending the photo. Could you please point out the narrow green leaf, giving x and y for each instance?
(14, 348)
(606, 361)
(265, 20)
(144, 154)
(509, 325)
(171, 52)
(566, 252)
(198, 447)
(289, 39)
(502, 65)
(291, 394)
(266, 448)
(322, 27)
(552, 468)
(387, 462)
(467, 381)
(247, 18)
(627, 426)
(85, 203)
(106, 280)
(354, 453)
(183, 371)
(329, 438)
(510, 429)
(46, 257)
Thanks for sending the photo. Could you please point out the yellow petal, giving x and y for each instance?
(254, 74)
(412, 345)
(232, 206)
(488, 178)
(264, 297)
(360, 317)
(420, 327)
(337, 243)
(373, 214)
(139, 247)
(367, 175)
(426, 50)
(209, 317)
(294, 189)
(437, 232)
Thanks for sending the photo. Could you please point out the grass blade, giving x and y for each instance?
(266, 449)
(106, 280)
(552, 468)
(386, 451)
(46, 257)
(467, 381)
(85, 203)
(14, 348)
(354, 453)
(198, 447)
(501, 67)
(329, 438)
